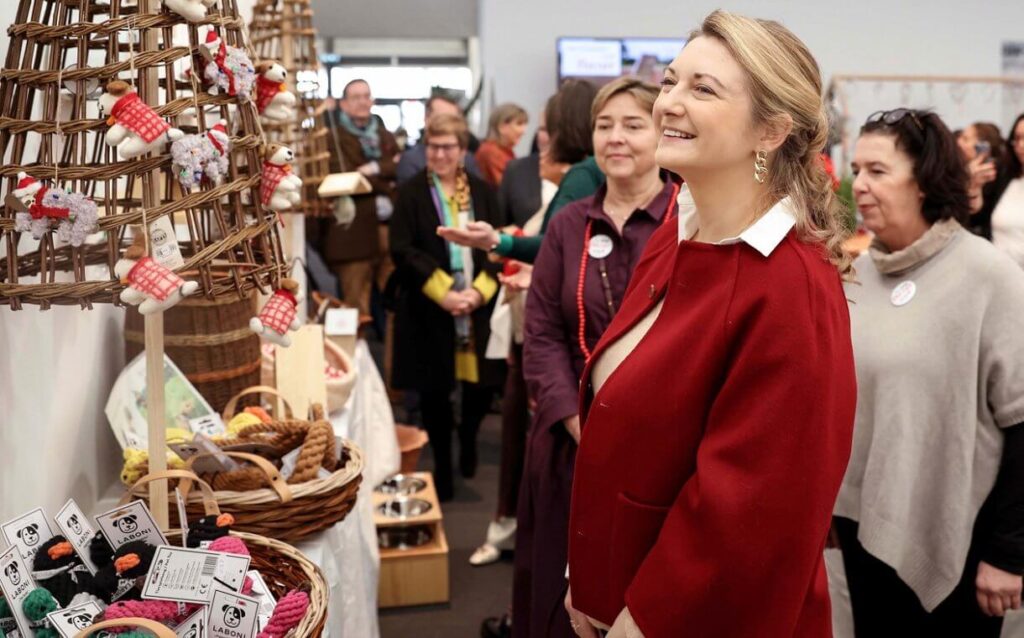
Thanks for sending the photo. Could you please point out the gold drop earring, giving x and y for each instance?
(761, 167)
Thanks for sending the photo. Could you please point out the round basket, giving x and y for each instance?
(281, 511)
(283, 567)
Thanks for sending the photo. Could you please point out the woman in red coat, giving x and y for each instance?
(718, 406)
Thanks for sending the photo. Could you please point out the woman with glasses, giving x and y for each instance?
(933, 543)
(445, 297)
(1008, 214)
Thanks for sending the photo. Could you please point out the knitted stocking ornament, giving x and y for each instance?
(287, 615)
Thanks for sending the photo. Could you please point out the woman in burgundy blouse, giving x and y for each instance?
(579, 280)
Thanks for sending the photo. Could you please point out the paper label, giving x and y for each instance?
(207, 425)
(182, 517)
(133, 522)
(216, 462)
(71, 621)
(78, 530)
(232, 616)
(261, 592)
(27, 532)
(341, 322)
(191, 575)
(8, 627)
(193, 627)
(164, 244)
(16, 583)
(288, 462)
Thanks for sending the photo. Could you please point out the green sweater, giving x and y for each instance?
(582, 180)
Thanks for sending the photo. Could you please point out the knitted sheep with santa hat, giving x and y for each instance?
(37, 207)
(279, 314)
(149, 285)
(228, 69)
(202, 155)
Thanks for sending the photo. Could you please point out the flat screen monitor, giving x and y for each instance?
(601, 60)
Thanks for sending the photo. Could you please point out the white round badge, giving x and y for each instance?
(600, 246)
(903, 293)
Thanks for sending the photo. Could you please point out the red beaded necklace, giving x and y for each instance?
(581, 310)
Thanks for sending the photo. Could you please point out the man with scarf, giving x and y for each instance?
(356, 247)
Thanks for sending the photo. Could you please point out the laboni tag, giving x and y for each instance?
(232, 616)
(78, 530)
(261, 592)
(71, 621)
(193, 627)
(16, 583)
(27, 533)
(8, 627)
(190, 575)
(341, 322)
(133, 522)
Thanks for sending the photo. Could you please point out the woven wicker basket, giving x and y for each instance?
(282, 511)
(283, 567)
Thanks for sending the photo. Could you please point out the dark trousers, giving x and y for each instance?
(515, 423)
(439, 421)
(885, 607)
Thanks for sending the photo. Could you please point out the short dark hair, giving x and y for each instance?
(444, 98)
(344, 91)
(939, 168)
(1014, 167)
(568, 122)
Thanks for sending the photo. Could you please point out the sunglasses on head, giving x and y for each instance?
(893, 117)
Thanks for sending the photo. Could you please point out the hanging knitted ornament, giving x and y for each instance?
(287, 615)
(36, 606)
(279, 314)
(209, 528)
(59, 569)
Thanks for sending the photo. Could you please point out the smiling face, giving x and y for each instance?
(703, 114)
(511, 132)
(357, 101)
(625, 138)
(444, 155)
(886, 192)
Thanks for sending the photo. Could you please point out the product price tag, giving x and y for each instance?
(207, 425)
(78, 530)
(27, 532)
(232, 616)
(261, 592)
(71, 621)
(193, 627)
(215, 461)
(16, 584)
(191, 575)
(163, 244)
(133, 522)
(182, 516)
(341, 322)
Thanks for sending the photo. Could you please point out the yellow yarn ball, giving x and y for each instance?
(240, 422)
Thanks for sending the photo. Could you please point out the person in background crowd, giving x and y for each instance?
(445, 295)
(414, 159)
(522, 187)
(935, 317)
(504, 130)
(356, 248)
(571, 145)
(581, 275)
(718, 406)
(982, 147)
(1008, 214)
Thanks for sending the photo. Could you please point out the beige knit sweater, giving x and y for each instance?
(937, 378)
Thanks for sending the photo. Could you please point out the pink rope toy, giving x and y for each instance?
(288, 614)
(158, 610)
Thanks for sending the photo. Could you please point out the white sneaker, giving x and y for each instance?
(501, 535)
(486, 554)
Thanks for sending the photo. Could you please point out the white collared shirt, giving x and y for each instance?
(764, 235)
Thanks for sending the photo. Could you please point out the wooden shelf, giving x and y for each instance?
(428, 493)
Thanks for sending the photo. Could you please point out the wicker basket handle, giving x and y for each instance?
(209, 502)
(161, 631)
(274, 478)
(229, 409)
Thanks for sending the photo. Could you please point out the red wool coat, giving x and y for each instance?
(712, 456)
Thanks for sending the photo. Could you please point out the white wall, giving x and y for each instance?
(941, 37)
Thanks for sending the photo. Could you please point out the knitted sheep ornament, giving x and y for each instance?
(209, 528)
(151, 286)
(228, 69)
(279, 314)
(38, 207)
(203, 155)
(59, 569)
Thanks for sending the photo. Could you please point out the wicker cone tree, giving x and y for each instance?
(283, 30)
(93, 98)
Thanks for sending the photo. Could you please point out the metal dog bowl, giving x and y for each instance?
(401, 508)
(402, 484)
(404, 537)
